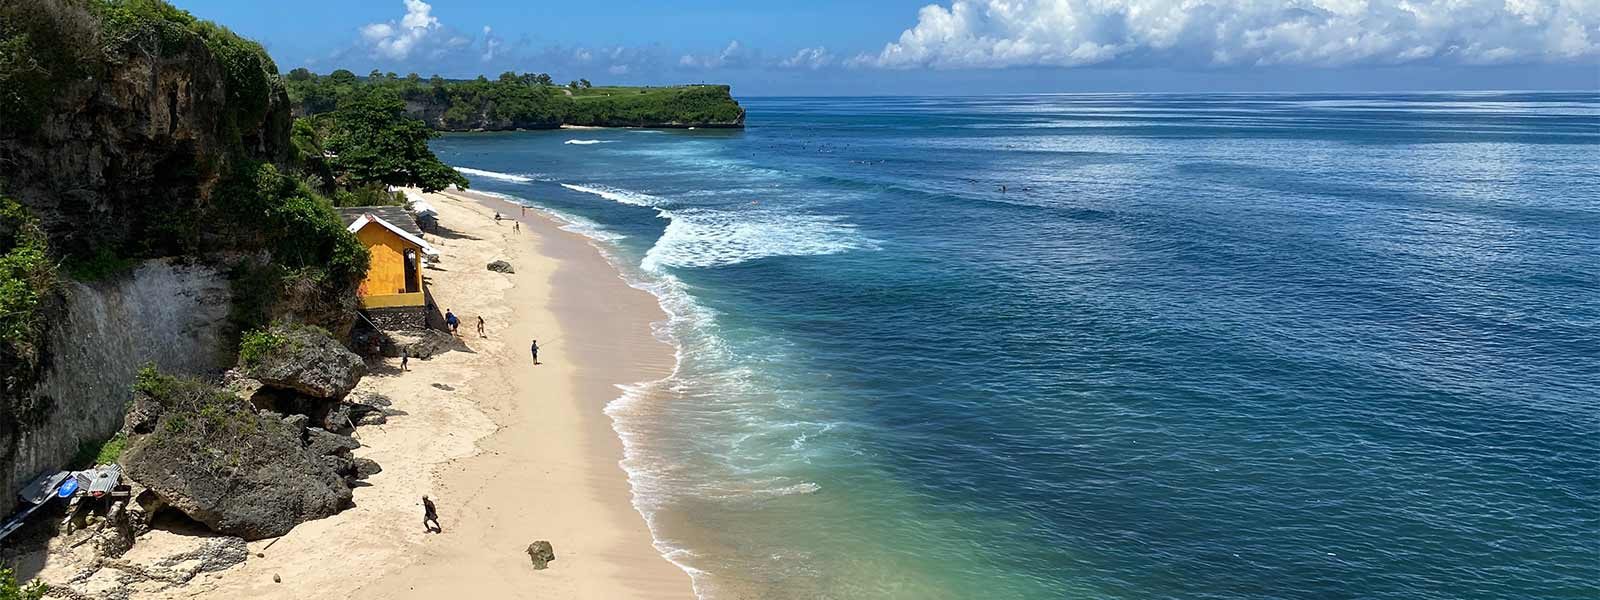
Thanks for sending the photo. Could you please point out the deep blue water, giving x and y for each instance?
(1241, 346)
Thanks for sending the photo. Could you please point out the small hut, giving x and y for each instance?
(392, 295)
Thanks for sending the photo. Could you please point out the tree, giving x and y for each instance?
(508, 77)
(572, 85)
(436, 81)
(342, 77)
(413, 78)
(375, 75)
(543, 79)
(585, 83)
(374, 142)
(301, 74)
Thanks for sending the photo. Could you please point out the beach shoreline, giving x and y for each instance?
(595, 335)
(511, 453)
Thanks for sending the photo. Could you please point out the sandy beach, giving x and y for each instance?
(510, 452)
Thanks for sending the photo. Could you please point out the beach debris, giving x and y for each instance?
(276, 578)
(501, 266)
(541, 553)
(444, 386)
(306, 360)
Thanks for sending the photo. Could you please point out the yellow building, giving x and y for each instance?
(394, 277)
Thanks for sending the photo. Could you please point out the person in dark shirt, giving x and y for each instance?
(451, 321)
(430, 516)
(535, 349)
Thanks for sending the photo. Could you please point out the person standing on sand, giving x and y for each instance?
(480, 327)
(451, 322)
(517, 226)
(405, 357)
(535, 349)
(430, 517)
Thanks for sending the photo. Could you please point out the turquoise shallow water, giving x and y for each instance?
(1244, 346)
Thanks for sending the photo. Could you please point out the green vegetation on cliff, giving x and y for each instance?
(199, 157)
(27, 279)
(522, 101)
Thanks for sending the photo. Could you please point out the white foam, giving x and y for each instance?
(615, 194)
(586, 142)
(701, 238)
(494, 175)
(566, 221)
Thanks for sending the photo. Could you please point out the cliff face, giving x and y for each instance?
(117, 160)
(123, 129)
(169, 314)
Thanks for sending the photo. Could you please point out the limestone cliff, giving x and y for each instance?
(153, 149)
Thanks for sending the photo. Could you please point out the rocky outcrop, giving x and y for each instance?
(212, 456)
(501, 266)
(306, 360)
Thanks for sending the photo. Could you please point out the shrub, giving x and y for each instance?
(10, 590)
(104, 452)
(257, 344)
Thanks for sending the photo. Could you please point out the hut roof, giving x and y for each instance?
(370, 218)
(393, 215)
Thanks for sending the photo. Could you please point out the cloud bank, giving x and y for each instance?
(1224, 33)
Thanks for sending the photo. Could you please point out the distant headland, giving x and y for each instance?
(523, 101)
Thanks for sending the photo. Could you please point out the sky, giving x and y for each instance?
(949, 47)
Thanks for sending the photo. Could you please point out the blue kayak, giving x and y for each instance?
(67, 487)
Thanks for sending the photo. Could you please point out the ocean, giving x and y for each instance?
(1107, 346)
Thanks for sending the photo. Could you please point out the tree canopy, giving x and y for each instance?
(374, 142)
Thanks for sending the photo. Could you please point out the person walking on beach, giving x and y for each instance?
(535, 349)
(517, 226)
(480, 327)
(430, 517)
(405, 357)
(524, 211)
(451, 322)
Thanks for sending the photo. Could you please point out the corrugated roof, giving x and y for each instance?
(395, 215)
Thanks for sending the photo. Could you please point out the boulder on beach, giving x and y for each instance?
(212, 456)
(424, 343)
(541, 553)
(501, 266)
(301, 358)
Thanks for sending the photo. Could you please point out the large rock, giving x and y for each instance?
(541, 553)
(212, 456)
(304, 359)
(501, 266)
(320, 442)
(419, 344)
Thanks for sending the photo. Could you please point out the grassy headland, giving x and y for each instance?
(522, 101)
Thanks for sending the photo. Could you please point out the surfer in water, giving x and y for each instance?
(430, 517)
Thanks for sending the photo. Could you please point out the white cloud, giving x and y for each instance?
(1005, 33)
(733, 56)
(808, 58)
(397, 40)
(491, 44)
